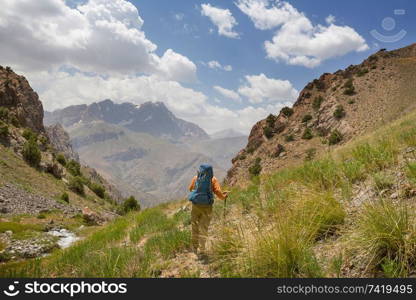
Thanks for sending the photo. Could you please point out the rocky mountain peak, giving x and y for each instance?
(150, 117)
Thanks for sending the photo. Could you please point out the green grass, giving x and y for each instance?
(386, 234)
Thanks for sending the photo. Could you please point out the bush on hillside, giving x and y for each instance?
(65, 197)
(75, 184)
(31, 153)
(98, 189)
(74, 168)
(60, 158)
(4, 113)
(289, 138)
(306, 118)
(335, 137)
(307, 134)
(28, 134)
(287, 111)
(270, 120)
(310, 154)
(131, 204)
(268, 132)
(4, 130)
(316, 104)
(255, 169)
(349, 88)
(339, 112)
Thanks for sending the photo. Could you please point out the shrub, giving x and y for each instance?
(4, 130)
(4, 113)
(382, 181)
(31, 153)
(335, 137)
(242, 157)
(362, 72)
(270, 120)
(307, 134)
(60, 158)
(131, 204)
(349, 88)
(98, 189)
(65, 197)
(352, 101)
(310, 154)
(289, 138)
(268, 132)
(316, 104)
(75, 184)
(411, 171)
(339, 112)
(74, 168)
(287, 111)
(28, 134)
(14, 121)
(306, 118)
(43, 140)
(255, 169)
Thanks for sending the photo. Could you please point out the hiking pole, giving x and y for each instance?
(225, 204)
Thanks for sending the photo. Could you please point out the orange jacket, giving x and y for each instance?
(216, 188)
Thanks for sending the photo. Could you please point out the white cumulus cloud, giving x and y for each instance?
(213, 64)
(297, 41)
(227, 93)
(99, 36)
(260, 88)
(222, 18)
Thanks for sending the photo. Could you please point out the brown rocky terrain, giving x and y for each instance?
(330, 111)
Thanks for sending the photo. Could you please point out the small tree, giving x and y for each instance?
(349, 88)
(31, 153)
(307, 134)
(131, 204)
(287, 111)
(75, 184)
(256, 168)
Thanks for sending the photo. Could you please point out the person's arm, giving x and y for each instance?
(192, 185)
(216, 188)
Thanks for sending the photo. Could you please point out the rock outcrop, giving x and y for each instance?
(22, 102)
(60, 140)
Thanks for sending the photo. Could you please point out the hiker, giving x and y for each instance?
(202, 188)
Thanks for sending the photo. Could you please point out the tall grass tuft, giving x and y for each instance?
(387, 232)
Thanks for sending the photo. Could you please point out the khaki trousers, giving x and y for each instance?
(200, 218)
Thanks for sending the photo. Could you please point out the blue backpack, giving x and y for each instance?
(202, 192)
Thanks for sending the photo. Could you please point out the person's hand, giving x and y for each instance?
(225, 195)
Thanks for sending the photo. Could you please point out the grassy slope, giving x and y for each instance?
(349, 213)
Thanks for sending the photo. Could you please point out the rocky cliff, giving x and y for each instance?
(22, 102)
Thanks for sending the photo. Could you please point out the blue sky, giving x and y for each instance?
(247, 56)
(82, 51)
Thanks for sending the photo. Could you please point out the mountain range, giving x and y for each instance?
(145, 150)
